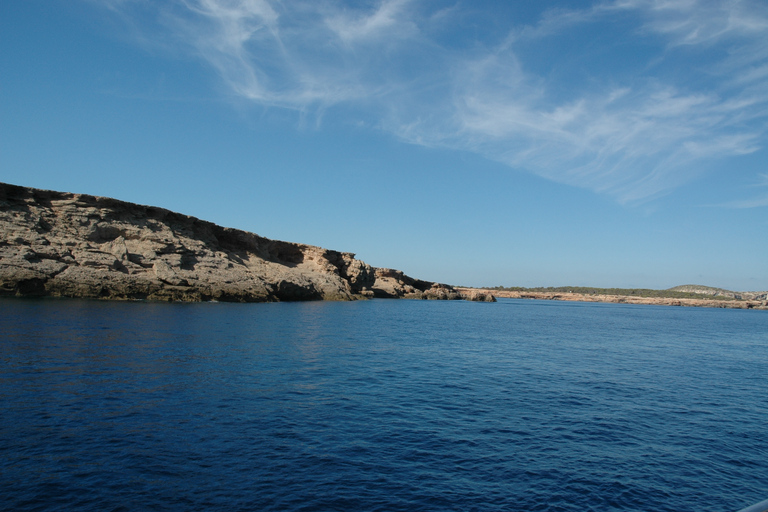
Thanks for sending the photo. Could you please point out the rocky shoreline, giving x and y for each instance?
(624, 299)
(61, 244)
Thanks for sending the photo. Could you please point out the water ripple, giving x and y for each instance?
(381, 405)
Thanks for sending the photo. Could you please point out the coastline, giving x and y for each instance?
(60, 244)
(623, 299)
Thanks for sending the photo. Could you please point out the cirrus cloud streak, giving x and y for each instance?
(672, 87)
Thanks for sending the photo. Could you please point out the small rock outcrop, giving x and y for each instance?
(393, 283)
(76, 245)
(477, 295)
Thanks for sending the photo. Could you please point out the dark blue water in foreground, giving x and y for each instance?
(381, 405)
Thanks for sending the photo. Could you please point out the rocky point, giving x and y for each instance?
(76, 245)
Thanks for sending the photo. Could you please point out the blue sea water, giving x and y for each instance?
(382, 405)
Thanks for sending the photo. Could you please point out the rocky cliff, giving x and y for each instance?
(76, 245)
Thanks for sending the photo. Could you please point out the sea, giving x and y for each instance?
(381, 405)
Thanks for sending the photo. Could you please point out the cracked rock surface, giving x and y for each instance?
(76, 245)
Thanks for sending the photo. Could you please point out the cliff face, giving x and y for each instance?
(75, 245)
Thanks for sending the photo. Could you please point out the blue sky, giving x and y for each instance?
(614, 143)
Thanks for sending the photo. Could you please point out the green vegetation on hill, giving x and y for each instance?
(697, 288)
(630, 292)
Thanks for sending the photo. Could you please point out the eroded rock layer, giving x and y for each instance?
(77, 245)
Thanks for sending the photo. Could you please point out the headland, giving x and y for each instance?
(60, 244)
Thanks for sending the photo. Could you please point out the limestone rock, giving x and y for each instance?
(76, 245)
(478, 295)
(394, 283)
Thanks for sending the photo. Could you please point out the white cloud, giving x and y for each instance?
(633, 135)
(702, 21)
(752, 202)
(389, 17)
(756, 202)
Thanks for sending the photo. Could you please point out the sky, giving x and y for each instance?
(617, 143)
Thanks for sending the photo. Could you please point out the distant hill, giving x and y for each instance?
(719, 292)
(678, 292)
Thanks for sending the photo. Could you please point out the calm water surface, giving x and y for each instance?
(381, 405)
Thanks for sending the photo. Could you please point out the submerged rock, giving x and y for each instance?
(76, 245)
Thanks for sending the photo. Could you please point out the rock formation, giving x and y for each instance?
(477, 295)
(76, 245)
(393, 283)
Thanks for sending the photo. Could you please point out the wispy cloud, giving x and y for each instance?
(388, 21)
(753, 202)
(688, 84)
(756, 202)
(695, 22)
